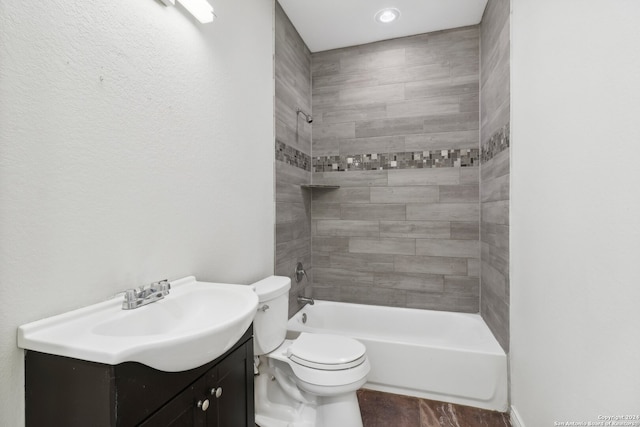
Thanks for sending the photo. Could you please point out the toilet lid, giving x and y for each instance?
(327, 352)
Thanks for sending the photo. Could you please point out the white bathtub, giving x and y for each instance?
(451, 357)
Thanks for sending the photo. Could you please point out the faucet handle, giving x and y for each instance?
(130, 295)
(300, 272)
(164, 285)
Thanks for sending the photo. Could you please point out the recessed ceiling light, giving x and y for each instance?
(388, 15)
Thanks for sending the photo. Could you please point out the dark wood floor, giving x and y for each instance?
(392, 410)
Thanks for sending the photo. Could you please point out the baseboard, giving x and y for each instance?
(516, 420)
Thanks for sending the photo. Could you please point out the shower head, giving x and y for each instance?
(307, 117)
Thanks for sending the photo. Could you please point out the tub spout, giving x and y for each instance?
(305, 300)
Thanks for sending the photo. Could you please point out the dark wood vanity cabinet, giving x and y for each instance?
(61, 391)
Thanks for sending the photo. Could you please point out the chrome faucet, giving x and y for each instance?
(145, 295)
(305, 300)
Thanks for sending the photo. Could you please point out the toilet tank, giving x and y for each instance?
(270, 323)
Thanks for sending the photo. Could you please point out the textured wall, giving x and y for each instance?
(122, 128)
(396, 126)
(292, 151)
(494, 183)
(575, 235)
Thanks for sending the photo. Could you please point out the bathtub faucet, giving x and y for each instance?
(305, 300)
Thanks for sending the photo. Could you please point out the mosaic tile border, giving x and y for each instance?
(498, 142)
(293, 157)
(398, 160)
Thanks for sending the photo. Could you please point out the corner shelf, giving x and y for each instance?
(320, 186)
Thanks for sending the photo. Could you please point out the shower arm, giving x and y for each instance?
(308, 117)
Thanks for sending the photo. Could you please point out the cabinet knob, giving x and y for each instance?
(203, 405)
(217, 392)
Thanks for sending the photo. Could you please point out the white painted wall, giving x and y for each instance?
(575, 242)
(135, 144)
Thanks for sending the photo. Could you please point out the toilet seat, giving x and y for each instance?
(313, 376)
(326, 352)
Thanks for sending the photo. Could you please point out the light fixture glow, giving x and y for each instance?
(386, 16)
(200, 9)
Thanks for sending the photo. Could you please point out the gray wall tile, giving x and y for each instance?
(431, 265)
(330, 244)
(494, 189)
(292, 63)
(340, 276)
(372, 94)
(443, 212)
(425, 194)
(352, 113)
(334, 130)
(410, 281)
(423, 107)
(444, 301)
(390, 127)
(372, 60)
(362, 262)
(322, 259)
(448, 248)
(473, 267)
(496, 212)
(347, 228)
(440, 141)
(352, 178)
(470, 175)
(287, 231)
(373, 211)
(429, 88)
(450, 122)
(383, 144)
(373, 296)
(293, 249)
(342, 195)
(326, 147)
(290, 212)
(496, 167)
(434, 176)
(459, 193)
(465, 230)
(412, 94)
(382, 246)
(416, 229)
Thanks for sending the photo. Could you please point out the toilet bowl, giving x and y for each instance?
(308, 381)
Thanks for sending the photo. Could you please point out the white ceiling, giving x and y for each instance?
(331, 24)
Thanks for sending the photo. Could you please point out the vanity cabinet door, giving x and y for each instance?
(222, 397)
(181, 411)
(228, 391)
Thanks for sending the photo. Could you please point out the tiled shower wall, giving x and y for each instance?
(292, 151)
(397, 127)
(494, 188)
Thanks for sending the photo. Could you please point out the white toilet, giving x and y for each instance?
(309, 381)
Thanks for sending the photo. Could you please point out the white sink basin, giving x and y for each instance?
(191, 326)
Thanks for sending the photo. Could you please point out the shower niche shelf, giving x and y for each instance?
(320, 186)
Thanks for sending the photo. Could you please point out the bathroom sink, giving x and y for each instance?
(191, 326)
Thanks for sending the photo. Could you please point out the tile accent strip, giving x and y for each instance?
(498, 142)
(293, 157)
(398, 160)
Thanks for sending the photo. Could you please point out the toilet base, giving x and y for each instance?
(275, 408)
(339, 411)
